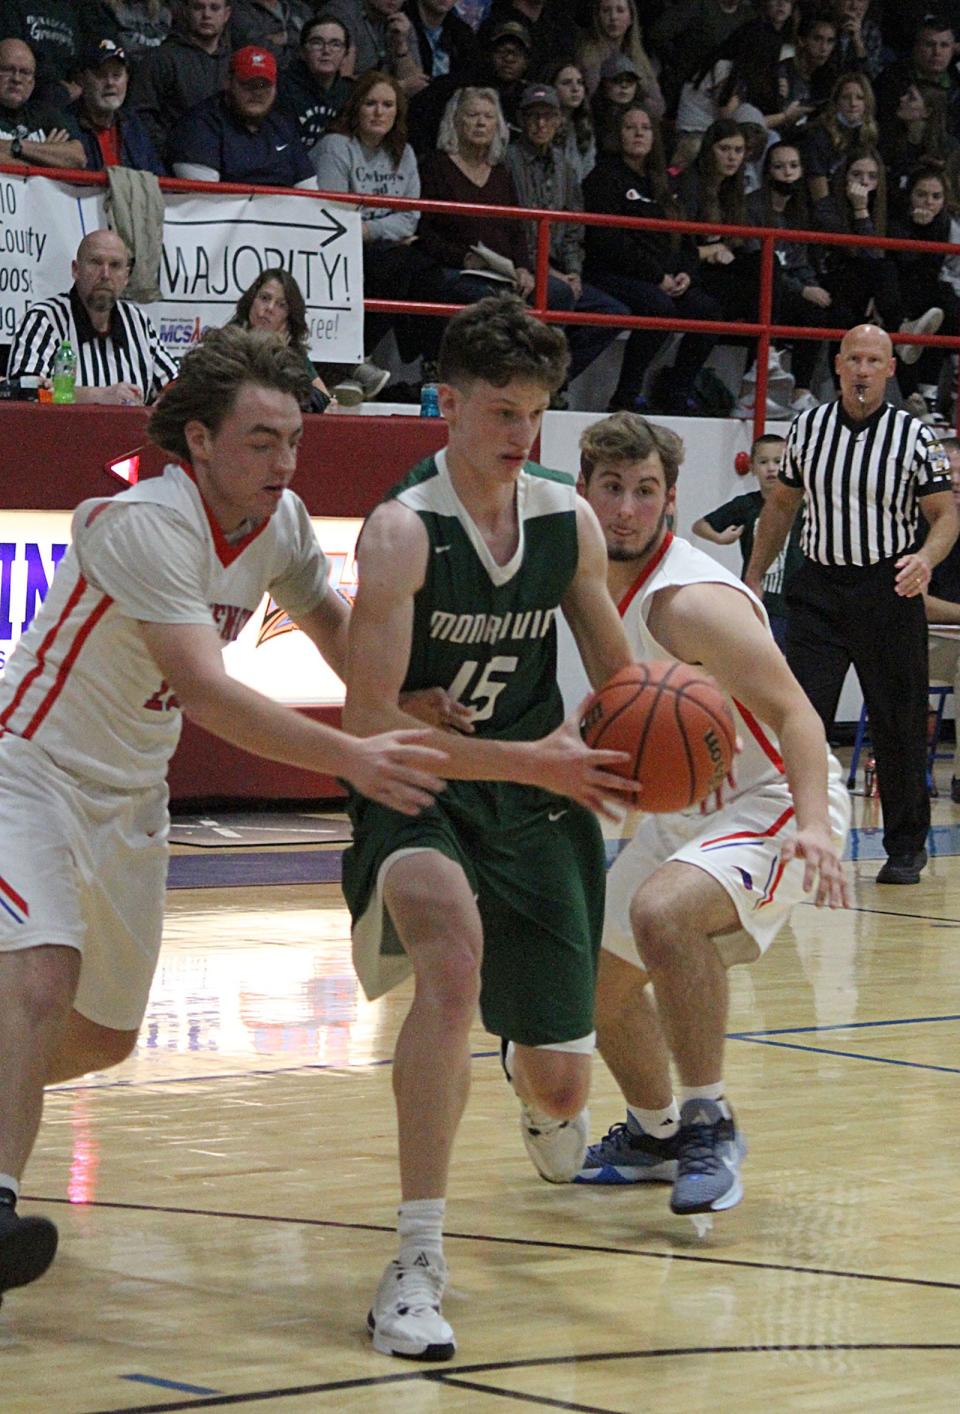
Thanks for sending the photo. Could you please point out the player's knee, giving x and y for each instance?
(107, 1047)
(554, 1081)
(655, 937)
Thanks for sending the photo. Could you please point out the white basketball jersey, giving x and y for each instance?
(81, 683)
(678, 563)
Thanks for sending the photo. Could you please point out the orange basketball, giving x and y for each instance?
(674, 723)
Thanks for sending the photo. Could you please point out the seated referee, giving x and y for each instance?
(119, 355)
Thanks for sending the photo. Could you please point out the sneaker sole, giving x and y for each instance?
(348, 397)
(26, 1252)
(612, 1174)
(730, 1199)
(407, 1350)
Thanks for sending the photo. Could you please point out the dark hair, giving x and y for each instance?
(796, 213)
(655, 167)
(296, 309)
(721, 198)
(325, 17)
(626, 437)
(876, 201)
(212, 374)
(766, 437)
(349, 120)
(498, 339)
(580, 119)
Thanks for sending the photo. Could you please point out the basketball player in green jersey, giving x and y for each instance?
(498, 892)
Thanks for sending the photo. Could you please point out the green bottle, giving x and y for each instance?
(64, 373)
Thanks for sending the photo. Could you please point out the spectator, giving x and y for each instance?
(923, 289)
(367, 152)
(188, 67)
(712, 190)
(111, 137)
(241, 135)
(382, 37)
(942, 606)
(447, 51)
(543, 179)
(615, 29)
(314, 87)
(119, 355)
(443, 44)
(506, 65)
(266, 24)
(930, 65)
(618, 89)
(800, 298)
(546, 22)
(138, 25)
(916, 133)
(857, 277)
(652, 272)
(847, 124)
(274, 303)
(576, 135)
(56, 31)
(859, 41)
(754, 51)
(30, 132)
(735, 521)
(805, 80)
(687, 33)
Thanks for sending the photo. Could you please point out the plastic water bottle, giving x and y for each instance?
(429, 402)
(64, 373)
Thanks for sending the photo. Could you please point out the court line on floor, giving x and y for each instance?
(72, 1086)
(849, 1055)
(547, 1244)
(454, 1376)
(837, 1026)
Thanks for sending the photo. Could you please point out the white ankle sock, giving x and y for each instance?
(661, 1124)
(7, 1180)
(706, 1092)
(420, 1227)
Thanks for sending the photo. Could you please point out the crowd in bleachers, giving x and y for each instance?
(832, 115)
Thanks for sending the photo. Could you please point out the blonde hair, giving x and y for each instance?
(448, 139)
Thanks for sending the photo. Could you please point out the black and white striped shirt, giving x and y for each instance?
(130, 352)
(861, 481)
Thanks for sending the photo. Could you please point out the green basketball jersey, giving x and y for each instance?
(488, 632)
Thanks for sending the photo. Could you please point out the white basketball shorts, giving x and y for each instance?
(740, 847)
(83, 866)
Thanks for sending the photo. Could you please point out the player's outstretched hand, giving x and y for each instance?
(823, 868)
(568, 766)
(396, 769)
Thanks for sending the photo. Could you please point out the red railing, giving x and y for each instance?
(763, 329)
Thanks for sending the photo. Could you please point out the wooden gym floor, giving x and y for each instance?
(226, 1198)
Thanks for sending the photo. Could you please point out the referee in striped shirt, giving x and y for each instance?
(119, 355)
(863, 469)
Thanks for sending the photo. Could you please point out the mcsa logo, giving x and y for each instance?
(178, 333)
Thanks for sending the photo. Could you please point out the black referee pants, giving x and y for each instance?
(848, 614)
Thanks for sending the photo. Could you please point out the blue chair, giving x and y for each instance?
(937, 690)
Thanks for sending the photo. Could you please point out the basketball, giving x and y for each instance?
(675, 725)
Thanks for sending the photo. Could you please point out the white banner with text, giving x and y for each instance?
(214, 247)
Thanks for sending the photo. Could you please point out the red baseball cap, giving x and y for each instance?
(253, 62)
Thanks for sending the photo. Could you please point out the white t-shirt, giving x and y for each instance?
(81, 683)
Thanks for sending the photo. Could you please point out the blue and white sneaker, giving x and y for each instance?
(710, 1151)
(628, 1154)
